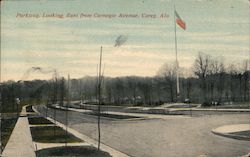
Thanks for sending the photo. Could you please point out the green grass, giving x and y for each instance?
(7, 128)
(76, 151)
(52, 134)
(242, 133)
(38, 121)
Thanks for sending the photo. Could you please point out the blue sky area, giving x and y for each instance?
(71, 45)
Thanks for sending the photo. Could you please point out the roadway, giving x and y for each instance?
(173, 137)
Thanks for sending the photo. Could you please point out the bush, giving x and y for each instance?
(206, 104)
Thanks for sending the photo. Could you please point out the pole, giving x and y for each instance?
(188, 96)
(67, 107)
(99, 99)
(176, 56)
(48, 99)
(55, 102)
(0, 99)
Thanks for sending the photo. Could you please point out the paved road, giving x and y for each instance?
(178, 137)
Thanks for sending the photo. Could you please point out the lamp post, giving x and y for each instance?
(17, 105)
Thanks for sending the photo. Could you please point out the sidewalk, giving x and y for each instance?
(20, 143)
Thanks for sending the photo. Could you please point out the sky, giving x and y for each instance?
(71, 44)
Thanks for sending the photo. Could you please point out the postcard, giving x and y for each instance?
(134, 78)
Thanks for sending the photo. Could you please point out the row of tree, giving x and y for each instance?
(208, 81)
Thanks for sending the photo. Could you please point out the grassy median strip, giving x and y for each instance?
(38, 121)
(52, 134)
(76, 151)
(115, 116)
(7, 128)
(242, 133)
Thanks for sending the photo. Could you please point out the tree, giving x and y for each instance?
(221, 81)
(201, 70)
(168, 72)
(233, 73)
(245, 71)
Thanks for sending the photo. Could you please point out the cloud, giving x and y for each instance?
(216, 36)
(72, 46)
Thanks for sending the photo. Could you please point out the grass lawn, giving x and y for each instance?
(76, 151)
(51, 134)
(7, 128)
(243, 133)
(113, 115)
(38, 120)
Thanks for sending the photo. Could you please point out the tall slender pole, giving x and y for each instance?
(176, 56)
(0, 101)
(99, 99)
(55, 101)
(248, 68)
(67, 106)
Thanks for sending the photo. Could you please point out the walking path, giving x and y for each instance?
(20, 142)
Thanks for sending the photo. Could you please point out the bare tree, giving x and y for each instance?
(168, 72)
(201, 69)
(232, 71)
(213, 72)
(245, 76)
(221, 80)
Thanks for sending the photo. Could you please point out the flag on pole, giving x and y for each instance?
(179, 21)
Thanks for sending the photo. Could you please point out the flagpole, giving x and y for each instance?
(176, 56)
